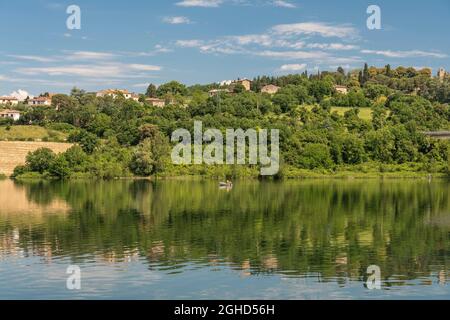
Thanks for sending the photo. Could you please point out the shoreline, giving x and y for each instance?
(307, 176)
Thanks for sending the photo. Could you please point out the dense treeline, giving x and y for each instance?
(119, 137)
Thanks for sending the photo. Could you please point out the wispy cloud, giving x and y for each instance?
(284, 4)
(315, 28)
(177, 20)
(286, 42)
(110, 70)
(200, 3)
(405, 54)
(31, 58)
(89, 55)
(189, 43)
(292, 67)
(293, 55)
(332, 46)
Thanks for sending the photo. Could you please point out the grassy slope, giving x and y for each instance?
(364, 113)
(35, 133)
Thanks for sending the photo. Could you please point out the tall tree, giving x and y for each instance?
(151, 91)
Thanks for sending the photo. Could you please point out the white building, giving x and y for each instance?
(9, 101)
(341, 89)
(118, 92)
(13, 114)
(40, 101)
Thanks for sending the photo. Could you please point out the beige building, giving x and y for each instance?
(156, 102)
(13, 114)
(341, 89)
(270, 89)
(245, 82)
(118, 92)
(215, 92)
(9, 100)
(40, 101)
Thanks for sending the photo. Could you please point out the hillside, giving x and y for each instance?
(30, 133)
(13, 153)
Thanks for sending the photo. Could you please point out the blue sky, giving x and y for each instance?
(128, 44)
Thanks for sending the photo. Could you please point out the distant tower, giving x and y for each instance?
(441, 74)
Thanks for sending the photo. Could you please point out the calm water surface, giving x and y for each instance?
(190, 240)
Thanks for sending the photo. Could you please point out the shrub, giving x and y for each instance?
(40, 160)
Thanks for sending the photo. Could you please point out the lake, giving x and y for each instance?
(180, 239)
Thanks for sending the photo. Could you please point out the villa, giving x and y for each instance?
(40, 101)
(156, 102)
(215, 92)
(270, 89)
(245, 82)
(341, 89)
(13, 114)
(118, 92)
(9, 100)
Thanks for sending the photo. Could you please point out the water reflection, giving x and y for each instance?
(330, 231)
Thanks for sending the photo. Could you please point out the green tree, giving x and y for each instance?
(40, 160)
(151, 91)
(59, 167)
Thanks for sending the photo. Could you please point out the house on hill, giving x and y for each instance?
(9, 101)
(245, 82)
(12, 114)
(215, 92)
(156, 102)
(341, 89)
(270, 89)
(40, 101)
(118, 92)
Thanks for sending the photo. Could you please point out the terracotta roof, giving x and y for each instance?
(41, 99)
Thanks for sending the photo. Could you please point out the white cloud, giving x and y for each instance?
(141, 85)
(111, 70)
(315, 28)
(20, 94)
(177, 20)
(293, 67)
(189, 43)
(89, 55)
(284, 4)
(31, 58)
(332, 46)
(261, 39)
(293, 54)
(405, 54)
(200, 3)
